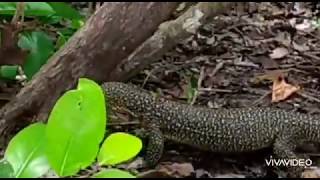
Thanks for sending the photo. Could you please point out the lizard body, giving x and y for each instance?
(217, 130)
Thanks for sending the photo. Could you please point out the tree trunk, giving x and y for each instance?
(107, 38)
(169, 34)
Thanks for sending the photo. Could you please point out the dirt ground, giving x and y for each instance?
(230, 62)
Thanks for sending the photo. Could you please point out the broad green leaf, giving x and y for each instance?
(65, 10)
(6, 170)
(113, 173)
(26, 152)
(8, 72)
(76, 128)
(119, 147)
(7, 8)
(30, 9)
(41, 48)
(38, 9)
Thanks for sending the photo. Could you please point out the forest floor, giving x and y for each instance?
(238, 61)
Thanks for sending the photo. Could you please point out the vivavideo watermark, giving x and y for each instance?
(288, 162)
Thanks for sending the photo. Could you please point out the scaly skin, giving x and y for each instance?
(223, 130)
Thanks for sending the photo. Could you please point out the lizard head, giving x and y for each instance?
(114, 93)
(121, 95)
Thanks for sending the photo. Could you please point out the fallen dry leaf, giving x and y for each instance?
(284, 38)
(153, 174)
(265, 61)
(300, 47)
(132, 165)
(282, 90)
(201, 173)
(311, 173)
(177, 170)
(231, 175)
(305, 26)
(279, 53)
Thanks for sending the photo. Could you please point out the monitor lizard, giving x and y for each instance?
(216, 130)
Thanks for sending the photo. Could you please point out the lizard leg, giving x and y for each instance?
(154, 147)
(284, 149)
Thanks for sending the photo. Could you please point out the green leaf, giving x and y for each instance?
(113, 173)
(41, 48)
(26, 152)
(7, 8)
(76, 128)
(9, 72)
(119, 147)
(77, 24)
(67, 31)
(6, 170)
(65, 10)
(192, 89)
(60, 41)
(51, 19)
(30, 9)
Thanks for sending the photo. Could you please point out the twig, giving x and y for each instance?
(124, 123)
(309, 97)
(147, 78)
(215, 90)
(297, 70)
(311, 56)
(313, 154)
(90, 9)
(201, 76)
(196, 59)
(216, 69)
(6, 97)
(239, 63)
(245, 64)
(260, 99)
(19, 13)
(98, 5)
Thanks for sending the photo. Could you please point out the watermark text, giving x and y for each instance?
(288, 162)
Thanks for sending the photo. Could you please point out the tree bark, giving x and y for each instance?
(109, 36)
(169, 34)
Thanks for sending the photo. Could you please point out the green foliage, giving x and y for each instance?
(80, 118)
(115, 149)
(31, 8)
(71, 139)
(26, 152)
(192, 89)
(60, 41)
(41, 48)
(77, 123)
(8, 72)
(113, 173)
(65, 10)
(6, 170)
(40, 43)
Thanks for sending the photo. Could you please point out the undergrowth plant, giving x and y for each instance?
(73, 139)
(54, 23)
(74, 136)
